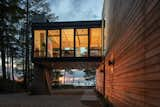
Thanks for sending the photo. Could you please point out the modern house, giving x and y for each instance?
(64, 45)
(124, 47)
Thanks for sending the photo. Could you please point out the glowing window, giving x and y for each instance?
(53, 43)
(95, 42)
(81, 42)
(67, 42)
(39, 43)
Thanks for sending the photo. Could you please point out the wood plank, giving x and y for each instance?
(135, 45)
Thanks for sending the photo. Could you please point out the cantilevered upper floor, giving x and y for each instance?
(67, 41)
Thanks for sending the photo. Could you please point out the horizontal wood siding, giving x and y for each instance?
(134, 30)
(100, 79)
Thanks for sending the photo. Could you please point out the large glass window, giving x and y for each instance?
(81, 42)
(53, 43)
(95, 42)
(67, 42)
(39, 43)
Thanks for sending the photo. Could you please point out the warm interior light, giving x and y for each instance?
(95, 41)
(53, 43)
(67, 42)
(39, 43)
(81, 42)
(67, 38)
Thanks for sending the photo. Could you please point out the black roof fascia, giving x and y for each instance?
(69, 59)
(73, 24)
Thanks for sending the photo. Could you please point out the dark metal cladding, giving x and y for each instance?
(73, 24)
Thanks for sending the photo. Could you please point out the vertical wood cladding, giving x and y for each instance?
(134, 34)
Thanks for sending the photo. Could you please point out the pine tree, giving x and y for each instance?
(13, 19)
(10, 15)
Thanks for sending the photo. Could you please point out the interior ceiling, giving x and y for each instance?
(67, 38)
(81, 41)
(54, 36)
(37, 34)
(81, 38)
(95, 37)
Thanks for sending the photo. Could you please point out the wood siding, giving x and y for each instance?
(100, 79)
(134, 44)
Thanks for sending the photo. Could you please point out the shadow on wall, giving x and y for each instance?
(105, 101)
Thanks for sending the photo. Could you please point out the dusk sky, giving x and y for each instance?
(77, 10)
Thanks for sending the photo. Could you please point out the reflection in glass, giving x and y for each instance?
(39, 43)
(67, 42)
(53, 43)
(95, 42)
(81, 42)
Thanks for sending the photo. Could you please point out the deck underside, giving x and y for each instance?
(70, 65)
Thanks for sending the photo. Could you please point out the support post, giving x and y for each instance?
(41, 83)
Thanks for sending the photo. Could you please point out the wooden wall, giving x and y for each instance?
(100, 79)
(133, 27)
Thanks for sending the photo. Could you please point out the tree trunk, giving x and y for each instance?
(3, 63)
(7, 66)
(12, 68)
(73, 79)
(64, 76)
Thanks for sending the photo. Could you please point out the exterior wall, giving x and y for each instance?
(133, 30)
(100, 79)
